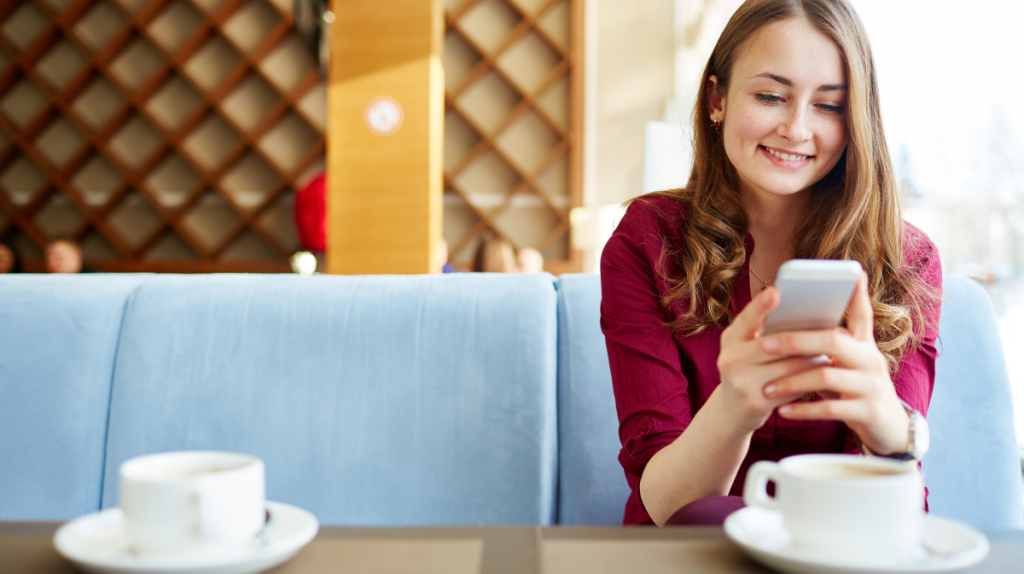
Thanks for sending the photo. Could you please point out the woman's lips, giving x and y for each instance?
(785, 163)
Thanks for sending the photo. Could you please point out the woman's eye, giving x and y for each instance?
(769, 98)
(831, 109)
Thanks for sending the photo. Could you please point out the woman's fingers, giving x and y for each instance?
(860, 318)
(748, 354)
(824, 379)
(787, 369)
(747, 324)
(836, 343)
(849, 410)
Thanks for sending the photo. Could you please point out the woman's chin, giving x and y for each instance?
(781, 189)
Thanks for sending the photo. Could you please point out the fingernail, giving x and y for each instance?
(770, 344)
(785, 410)
(769, 390)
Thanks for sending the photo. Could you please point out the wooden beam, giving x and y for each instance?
(577, 101)
(384, 198)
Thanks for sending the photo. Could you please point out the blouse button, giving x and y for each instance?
(642, 429)
(766, 427)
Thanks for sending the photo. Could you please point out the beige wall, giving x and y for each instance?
(699, 23)
(630, 63)
(632, 50)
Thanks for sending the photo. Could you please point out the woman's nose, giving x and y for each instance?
(794, 128)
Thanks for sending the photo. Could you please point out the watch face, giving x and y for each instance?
(922, 436)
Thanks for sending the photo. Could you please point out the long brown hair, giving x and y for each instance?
(854, 211)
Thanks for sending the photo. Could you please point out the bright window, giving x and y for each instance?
(950, 79)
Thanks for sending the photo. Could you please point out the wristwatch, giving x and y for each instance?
(917, 442)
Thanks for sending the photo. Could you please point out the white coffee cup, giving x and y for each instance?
(844, 504)
(193, 502)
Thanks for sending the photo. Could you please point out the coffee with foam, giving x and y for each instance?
(845, 472)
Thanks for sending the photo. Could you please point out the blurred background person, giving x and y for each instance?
(495, 255)
(63, 256)
(529, 260)
(9, 262)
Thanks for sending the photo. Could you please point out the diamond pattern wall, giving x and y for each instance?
(512, 158)
(162, 135)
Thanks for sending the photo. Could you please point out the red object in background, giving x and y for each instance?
(311, 214)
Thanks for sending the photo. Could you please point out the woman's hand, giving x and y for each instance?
(745, 367)
(856, 385)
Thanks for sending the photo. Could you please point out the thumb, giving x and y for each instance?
(860, 320)
(748, 323)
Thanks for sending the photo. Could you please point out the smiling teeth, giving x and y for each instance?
(786, 156)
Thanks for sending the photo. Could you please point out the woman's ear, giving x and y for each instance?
(716, 103)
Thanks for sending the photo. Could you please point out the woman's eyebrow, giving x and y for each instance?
(789, 83)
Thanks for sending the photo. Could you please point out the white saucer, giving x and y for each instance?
(952, 547)
(97, 543)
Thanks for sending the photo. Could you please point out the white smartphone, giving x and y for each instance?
(815, 293)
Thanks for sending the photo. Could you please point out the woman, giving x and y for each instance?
(790, 157)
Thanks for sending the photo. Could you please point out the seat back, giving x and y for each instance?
(57, 343)
(972, 470)
(374, 401)
(592, 488)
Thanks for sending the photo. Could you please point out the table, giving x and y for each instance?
(26, 548)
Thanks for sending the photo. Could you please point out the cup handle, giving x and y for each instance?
(755, 488)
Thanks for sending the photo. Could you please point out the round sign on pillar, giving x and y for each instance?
(383, 116)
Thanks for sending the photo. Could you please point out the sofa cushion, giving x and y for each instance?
(57, 350)
(973, 468)
(592, 488)
(382, 400)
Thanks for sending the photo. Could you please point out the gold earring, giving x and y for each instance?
(716, 123)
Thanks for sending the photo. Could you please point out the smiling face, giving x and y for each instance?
(783, 118)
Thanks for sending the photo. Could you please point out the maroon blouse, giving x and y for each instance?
(662, 378)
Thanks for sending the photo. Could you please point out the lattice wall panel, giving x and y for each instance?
(511, 129)
(163, 135)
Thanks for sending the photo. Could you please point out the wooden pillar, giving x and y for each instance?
(385, 136)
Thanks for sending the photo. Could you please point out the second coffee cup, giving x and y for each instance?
(192, 502)
(843, 503)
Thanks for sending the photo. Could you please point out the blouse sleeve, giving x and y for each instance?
(651, 393)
